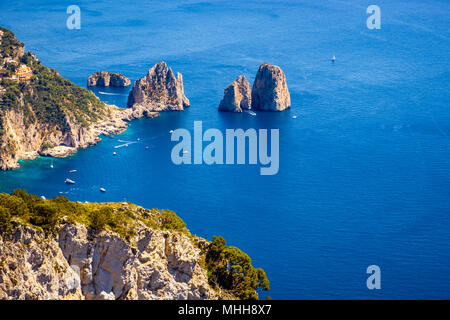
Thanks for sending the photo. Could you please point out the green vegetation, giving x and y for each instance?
(5, 219)
(9, 44)
(231, 269)
(121, 218)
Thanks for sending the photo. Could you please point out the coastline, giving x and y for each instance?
(80, 138)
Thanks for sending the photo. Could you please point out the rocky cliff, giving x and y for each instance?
(106, 79)
(57, 249)
(159, 90)
(237, 96)
(270, 91)
(43, 113)
(79, 263)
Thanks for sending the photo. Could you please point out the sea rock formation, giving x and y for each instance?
(159, 90)
(270, 91)
(237, 96)
(106, 79)
(80, 263)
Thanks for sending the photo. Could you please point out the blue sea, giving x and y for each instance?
(364, 175)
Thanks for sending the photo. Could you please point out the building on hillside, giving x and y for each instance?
(23, 73)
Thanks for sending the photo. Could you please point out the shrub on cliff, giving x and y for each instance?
(46, 216)
(8, 43)
(231, 269)
(15, 205)
(170, 221)
(101, 218)
(5, 219)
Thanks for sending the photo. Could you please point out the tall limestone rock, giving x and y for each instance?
(270, 91)
(159, 90)
(237, 96)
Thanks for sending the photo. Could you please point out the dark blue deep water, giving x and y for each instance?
(364, 169)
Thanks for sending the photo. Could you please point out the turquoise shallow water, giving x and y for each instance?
(364, 169)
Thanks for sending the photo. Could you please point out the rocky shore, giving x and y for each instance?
(36, 141)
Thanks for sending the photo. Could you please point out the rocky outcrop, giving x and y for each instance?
(159, 90)
(270, 91)
(33, 268)
(237, 96)
(106, 79)
(81, 263)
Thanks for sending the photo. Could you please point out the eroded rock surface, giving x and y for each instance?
(237, 96)
(270, 91)
(159, 90)
(80, 263)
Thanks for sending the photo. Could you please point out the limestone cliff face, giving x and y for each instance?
(106, 79)
(237, 96)
(159, 90)
(270, 91)
(80, 263)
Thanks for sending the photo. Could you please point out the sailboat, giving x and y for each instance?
(51, 165)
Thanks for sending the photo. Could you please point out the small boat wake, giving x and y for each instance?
(250, 112)
(112, 94)
(125, 143)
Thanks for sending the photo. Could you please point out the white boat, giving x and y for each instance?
(43, 198)
(251, 112)
(72, 171)
(51, 165)
(333, 58)
(146, 148)
(171, 131)
(294, 117)
(114, 153)
(102, 189)
(68, 181)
